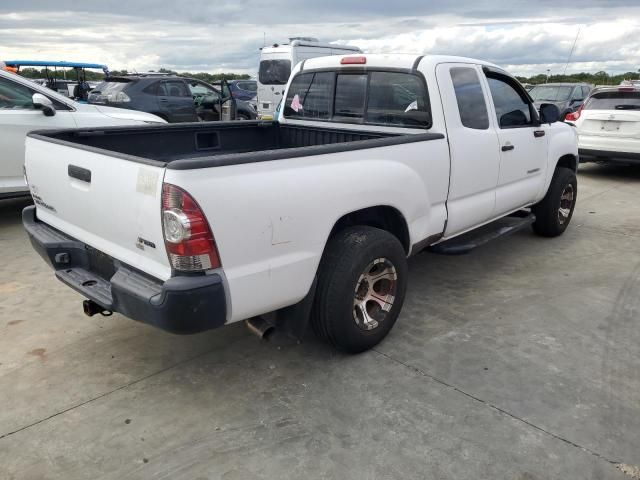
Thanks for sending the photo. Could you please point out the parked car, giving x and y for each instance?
(609, 125)
(26, 106)
(243, 89)
(373, 158)
(176, 99)
(566, 96)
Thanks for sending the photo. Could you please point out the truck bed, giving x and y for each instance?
(200, 145)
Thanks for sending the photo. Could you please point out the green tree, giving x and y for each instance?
(598, 78)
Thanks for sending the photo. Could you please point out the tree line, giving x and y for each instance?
(598, 78)
(95, 76)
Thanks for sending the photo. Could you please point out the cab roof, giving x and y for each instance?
(391, 60)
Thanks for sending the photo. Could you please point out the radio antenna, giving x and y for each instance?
(571, 52)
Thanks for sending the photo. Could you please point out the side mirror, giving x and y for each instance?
(43, 103)
(549, 113)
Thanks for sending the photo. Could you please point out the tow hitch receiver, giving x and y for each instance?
(91, 308)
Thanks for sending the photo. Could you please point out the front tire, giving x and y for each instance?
(555, 210)
(361, 286)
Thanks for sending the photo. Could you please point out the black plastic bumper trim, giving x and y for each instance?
(185, 304)
(609, 156)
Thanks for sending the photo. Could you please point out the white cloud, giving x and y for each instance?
(526, 48)
(227, 38)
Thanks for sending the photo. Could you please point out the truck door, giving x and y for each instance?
(523, 143)
(473, 145)
(176, 102)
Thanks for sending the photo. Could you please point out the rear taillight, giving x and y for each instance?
(187, 235)
(573, 116)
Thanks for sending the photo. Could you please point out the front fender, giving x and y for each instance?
(563, 143)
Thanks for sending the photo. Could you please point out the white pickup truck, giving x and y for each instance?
(373, 158)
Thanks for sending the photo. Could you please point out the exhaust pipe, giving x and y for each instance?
(260, 326)
(91, 308)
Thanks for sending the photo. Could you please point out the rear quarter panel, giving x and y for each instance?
(271, 220)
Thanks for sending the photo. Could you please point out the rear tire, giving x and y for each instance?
(361, 286)
(553, 213)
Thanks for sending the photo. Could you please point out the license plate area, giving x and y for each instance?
(100, 263)
(609, 126)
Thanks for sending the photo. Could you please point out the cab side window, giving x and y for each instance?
(512, 110)
(471, 104)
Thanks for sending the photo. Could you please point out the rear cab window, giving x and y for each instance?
(398, 99)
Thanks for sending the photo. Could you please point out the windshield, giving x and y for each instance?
(550, 93)
(274, 72)
(614, 101)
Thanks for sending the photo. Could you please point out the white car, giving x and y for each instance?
(373, 158)
(27, 106)
(609, 125)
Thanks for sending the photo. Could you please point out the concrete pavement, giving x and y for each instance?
(520, 361)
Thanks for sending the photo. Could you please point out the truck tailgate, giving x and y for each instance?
(109, 203)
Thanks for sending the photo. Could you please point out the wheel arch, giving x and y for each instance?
(383, 217)
(568, 161)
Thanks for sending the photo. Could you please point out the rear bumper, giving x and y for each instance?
(184, 304)
(592, 155)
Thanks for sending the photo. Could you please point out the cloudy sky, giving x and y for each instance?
(527, 37)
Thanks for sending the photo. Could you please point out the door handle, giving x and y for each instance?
(506, 148)
(79, 173)
(538, 133)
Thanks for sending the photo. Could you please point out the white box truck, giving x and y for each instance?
(277, 61)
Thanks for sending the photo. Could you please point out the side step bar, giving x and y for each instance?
(468, 241)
